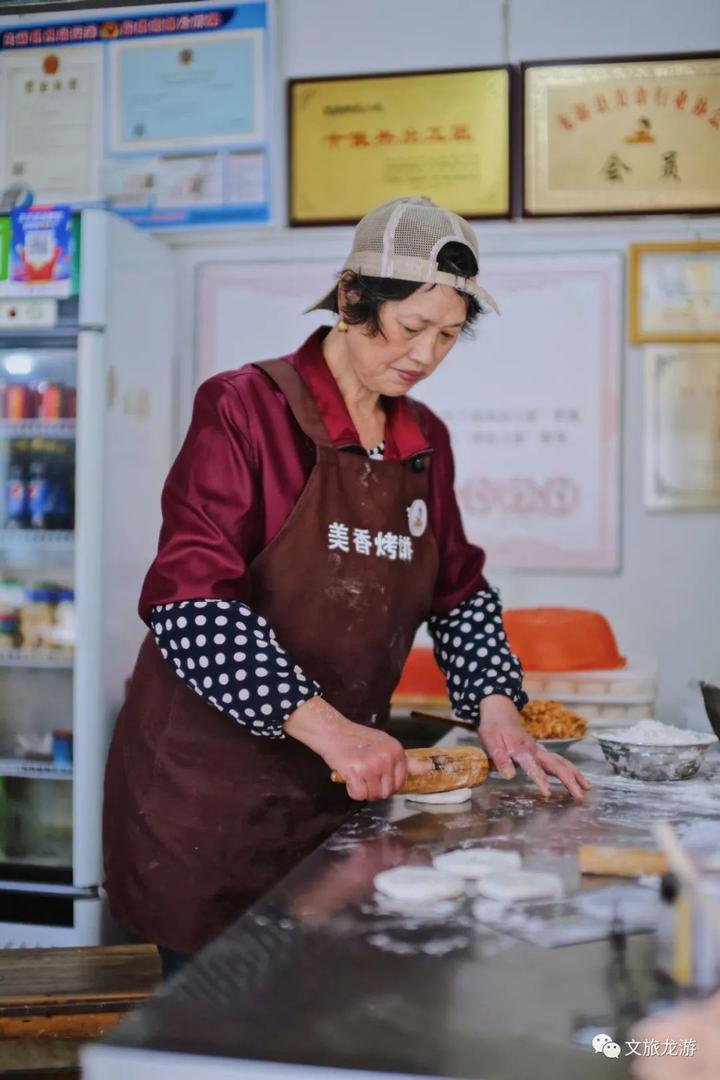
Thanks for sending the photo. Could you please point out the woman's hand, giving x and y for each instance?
(690, 1032)
(506, 741)
(373, 763)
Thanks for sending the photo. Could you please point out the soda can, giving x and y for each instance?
(60, 509)
(50, 401)
(62, 747)
(16, 499)
(39, 496)
(19, 401)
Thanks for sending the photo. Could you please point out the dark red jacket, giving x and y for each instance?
(243, 465)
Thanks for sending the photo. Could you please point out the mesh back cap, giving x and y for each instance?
(402, 239)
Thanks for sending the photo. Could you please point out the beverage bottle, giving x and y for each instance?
(64, 629)
(39, 496)
(17, 499)
(50, 400)
(70, 402)
(19, 401)
(61, 516)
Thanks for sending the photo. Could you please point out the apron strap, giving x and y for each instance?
(301, 402)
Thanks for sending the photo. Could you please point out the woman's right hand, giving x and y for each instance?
(373, 764)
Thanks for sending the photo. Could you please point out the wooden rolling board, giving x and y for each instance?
(610, 861)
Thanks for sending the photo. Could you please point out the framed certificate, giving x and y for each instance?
(187, 91)
(682, 420)
(51, 122)
(674, 292)
(623, 136)
(359, 141)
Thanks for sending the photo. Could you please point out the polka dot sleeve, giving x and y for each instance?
(230, 657)
(472, 650)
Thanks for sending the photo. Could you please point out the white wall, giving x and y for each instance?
(321, 36)
(666, 599)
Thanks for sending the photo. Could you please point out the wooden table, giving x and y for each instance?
(54, 1000)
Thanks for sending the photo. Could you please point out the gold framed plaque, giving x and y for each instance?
(674, 292)
(627, 136)
(358, 141)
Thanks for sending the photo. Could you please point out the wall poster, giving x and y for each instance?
(163, 116)
(531, 400)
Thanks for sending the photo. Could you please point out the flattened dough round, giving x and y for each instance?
(418, 883)
(462, 794)
(476, 862)
(442, 808)
(519, 885)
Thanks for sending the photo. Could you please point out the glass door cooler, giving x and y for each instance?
(85, 392)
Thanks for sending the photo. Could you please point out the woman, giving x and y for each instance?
(309, 528)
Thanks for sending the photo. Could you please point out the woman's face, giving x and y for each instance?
(417, 334)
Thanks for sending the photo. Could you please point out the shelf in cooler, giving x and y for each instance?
(35, 770)
(40, 337)
(38, 658)
(41, 886)
(32, 429)
(53, 539)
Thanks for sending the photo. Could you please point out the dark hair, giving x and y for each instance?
(373, 292)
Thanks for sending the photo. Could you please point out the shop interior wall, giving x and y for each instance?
(666, 598)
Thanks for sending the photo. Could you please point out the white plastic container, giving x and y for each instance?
(604, 696)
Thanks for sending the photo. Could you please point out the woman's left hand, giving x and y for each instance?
(505, 741)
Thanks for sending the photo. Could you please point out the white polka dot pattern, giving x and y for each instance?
(472, 650)
(230, 656)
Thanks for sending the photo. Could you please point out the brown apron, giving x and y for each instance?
(201, 817)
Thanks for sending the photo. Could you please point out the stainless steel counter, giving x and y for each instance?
(320, 976)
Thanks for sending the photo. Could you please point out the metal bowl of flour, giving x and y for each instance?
(640, 761)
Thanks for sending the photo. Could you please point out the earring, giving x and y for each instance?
(342, 326)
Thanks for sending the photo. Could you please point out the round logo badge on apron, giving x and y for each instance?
(418, 517)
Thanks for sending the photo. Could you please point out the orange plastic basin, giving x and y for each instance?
(562, 639)
(421, 679)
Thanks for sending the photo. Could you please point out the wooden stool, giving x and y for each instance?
(54, 1000)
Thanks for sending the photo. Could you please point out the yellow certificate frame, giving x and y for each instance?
(358, 141)
(623, 136)
(674, 292)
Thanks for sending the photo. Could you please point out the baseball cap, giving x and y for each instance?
(401, 239)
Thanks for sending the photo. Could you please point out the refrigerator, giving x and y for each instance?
(86, 395)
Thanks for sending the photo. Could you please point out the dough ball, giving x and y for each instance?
(415, 884)
(519, 885)
(459, 795)
(476, 862)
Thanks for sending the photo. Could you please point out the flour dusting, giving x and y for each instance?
(653, 733)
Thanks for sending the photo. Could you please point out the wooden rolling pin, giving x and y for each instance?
(452, 768)
(621, 861)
